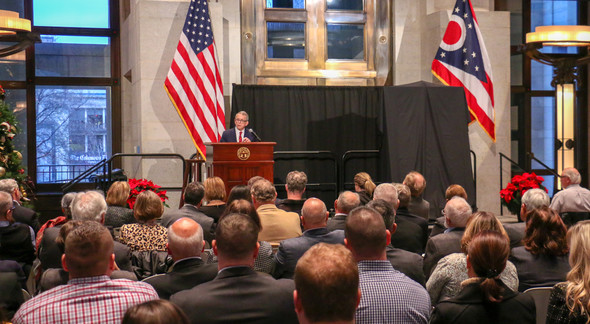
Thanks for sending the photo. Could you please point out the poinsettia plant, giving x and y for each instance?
(139, 185)
(512, 194)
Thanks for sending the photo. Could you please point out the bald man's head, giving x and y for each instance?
(185, 239)
(314, 213)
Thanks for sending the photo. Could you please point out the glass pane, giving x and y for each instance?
(292, 4)
(547, 13)
(356, 5)
(543, 131)
(71, 13)
(17, 100)
(541, 76)
(13, 5)
(73, 56)
(346, 42)
(12, 67)
(73, 130)
(285, 40)
(549, 183)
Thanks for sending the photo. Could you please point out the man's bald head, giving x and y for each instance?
(314, 213)
(185, 239)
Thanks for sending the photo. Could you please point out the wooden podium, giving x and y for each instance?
(236, 163)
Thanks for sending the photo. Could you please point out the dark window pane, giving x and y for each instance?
(356, 5)
(541, 76)
(293, 4)
(285, 40)
(346, 42)
(543, 130)
(14, 5)
(17, 101)
(72, 130)
(71, 13)
(73, 56)
(12, 67)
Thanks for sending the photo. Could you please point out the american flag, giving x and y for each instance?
(193, 82)
(462, 60)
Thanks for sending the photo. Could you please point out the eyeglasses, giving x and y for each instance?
(240, 120)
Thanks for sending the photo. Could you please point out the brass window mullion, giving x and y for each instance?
(316, 39)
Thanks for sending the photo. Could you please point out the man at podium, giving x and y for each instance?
(239, 133)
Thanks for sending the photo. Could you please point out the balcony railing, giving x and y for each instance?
(49, 173)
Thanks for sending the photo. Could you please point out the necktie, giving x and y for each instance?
(240, 139)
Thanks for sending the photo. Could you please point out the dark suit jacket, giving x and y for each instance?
(16, 244)
(50, 255)
(11, 296)
(407, 263)
(538, 270)
(338, 222)
(193, 213)
(438, 227)
(230, 135)
(239, 295)
(292, 249)
(420, 207)
(515, 232)
(409, 236)
(440, 246)
(469, 307)
(184, 274)
(26, 216)
(290, 205)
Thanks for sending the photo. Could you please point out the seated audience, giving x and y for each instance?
(364, 187)
(11, 295)
(403, 217)
(417, 206)
(387, 295)
(117, 213)
(214, 200)
(277, 224)
(66, 200)
(452, 191)
(570, 301)
(192, 196)
(408, 263)
(543, 260)
(347, 201)
(457, 212)
(445, 280)
(155, 312)
(295, 186)
(573, 198)
(17, 240)
(326, 285)
(146, 235)
(185, 244)
(238, 293)
(90, 296)
(314, 216)
(20, 214)
(484, 297)
(239, 192)
(531, 199)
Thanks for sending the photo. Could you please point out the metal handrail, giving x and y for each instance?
(531, 156)
(349, 155)
(474, 166)
(67, 186)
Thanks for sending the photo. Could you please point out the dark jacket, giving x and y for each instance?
(190, 211)
(290, 205)
(409, 236)
(184, 274)
(26, 216)
(538, 270)
(469, 307)
(16, 243)
(118, 216)
(515, 232)
(440, 246)
(407, 263)
(338, 222)
(230, 135)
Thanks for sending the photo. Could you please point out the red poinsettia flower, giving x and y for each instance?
(138, 186)
(519, 184)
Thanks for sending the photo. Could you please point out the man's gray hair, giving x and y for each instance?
(243, 113)
(535, 198)
(458, 211)
(5, 203)
(387, 192)
(66, 204)
(347, 201)
(89, 205)
(8, 185)
(192, 245)
(296, 181)
(572, 174)
(403, 194)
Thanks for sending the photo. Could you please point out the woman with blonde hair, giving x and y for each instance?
(117, 213)
(570, 301)
(445, 280)
(146, 235)
(364, 187)
(214, 198)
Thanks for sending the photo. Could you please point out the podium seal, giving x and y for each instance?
(243, 153)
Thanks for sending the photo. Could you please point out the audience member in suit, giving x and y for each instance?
(277, 224)
(452, 191)
(409, 235)
(16, 239)
(484, 297)
(314, 216)
(192, 196)
(408, 263)
(239, 192)
(457, 212)
(185, 244)
(146, 234)
(364, 187)
(418, 206)
(445, 280)
(532, 199)
(66, 201)
(155, 312)
(238, 293)
(117, 212)
(569, 300)
(11, 295)
(86, 206)
(20, 214)
(326, 285)
(403, 215)
(573, 198)
(90, 296)
(347, 201)
(387, 295)
(295, 186)
(214, 198)
(239, 133)
(543, 260)
(12, 266)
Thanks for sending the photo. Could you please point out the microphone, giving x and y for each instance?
(255, 135)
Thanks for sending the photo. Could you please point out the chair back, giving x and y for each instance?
(541, 297)
(571, 218)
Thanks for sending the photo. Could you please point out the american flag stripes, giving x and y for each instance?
(462, 60)
(194, 82)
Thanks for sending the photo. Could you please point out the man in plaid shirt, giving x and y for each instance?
(90, 296)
